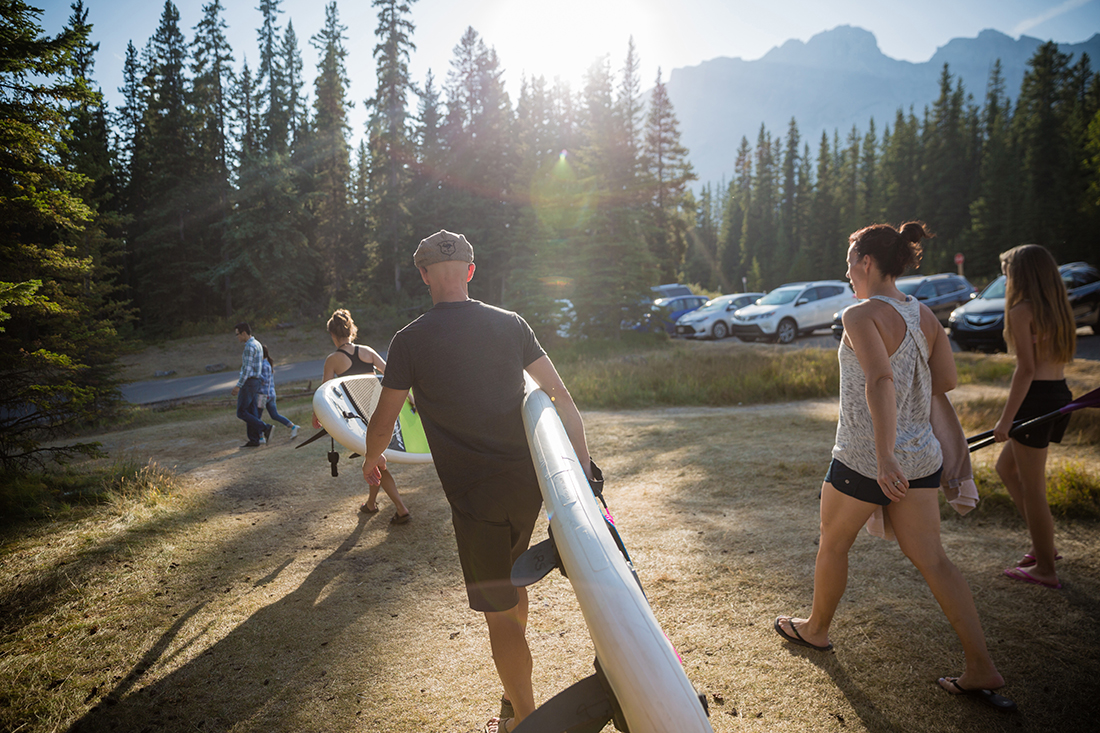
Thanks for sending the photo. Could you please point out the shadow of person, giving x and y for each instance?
(262, 659)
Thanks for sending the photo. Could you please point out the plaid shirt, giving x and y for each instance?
(251, 360)
(268, 386)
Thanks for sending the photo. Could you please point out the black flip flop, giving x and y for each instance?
(797, 638)
(989, 697)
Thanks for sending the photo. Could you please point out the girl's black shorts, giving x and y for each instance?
(1043, 397)
(858, 486)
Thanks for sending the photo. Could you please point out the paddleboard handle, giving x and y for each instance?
(333, 458)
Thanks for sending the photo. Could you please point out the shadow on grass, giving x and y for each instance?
(263, 659)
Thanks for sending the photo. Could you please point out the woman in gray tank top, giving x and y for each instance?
(894, 356)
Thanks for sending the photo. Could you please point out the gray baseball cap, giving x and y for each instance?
(441, 247)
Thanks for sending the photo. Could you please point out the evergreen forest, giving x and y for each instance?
(223, 188)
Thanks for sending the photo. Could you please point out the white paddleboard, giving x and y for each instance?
(345, 404)
(647, 682)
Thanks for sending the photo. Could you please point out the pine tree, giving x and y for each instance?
(869, 179)
(824, 241)
(669, 171)
(297, 107)
(786, 228)
(56, 340)
(612, 270)
(169, 261)
(213, 75)
(1042, 111)
(390, 145)
(900, 170)
(481, 167)
(993, 212)
(329, 163)
(270, 82)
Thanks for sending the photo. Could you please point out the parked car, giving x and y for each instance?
(666, 311)
(942, 293)
(1083, 288)
(979, 325)
(713, 319)
(790, 310)
(670, 290)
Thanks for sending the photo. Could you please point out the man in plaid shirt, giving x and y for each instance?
(248, 386)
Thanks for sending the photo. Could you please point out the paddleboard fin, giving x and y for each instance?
(315, 437)
(536, 563)
(583, 707)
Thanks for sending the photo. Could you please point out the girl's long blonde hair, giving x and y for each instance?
(1032, 275)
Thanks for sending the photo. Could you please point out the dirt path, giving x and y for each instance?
(258, 600)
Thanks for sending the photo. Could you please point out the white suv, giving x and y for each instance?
(792, 309)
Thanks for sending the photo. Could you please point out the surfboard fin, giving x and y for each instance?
(536, 563)
(583, 707)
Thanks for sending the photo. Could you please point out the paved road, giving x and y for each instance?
(208, 385)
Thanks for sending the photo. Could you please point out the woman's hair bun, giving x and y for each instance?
(913, 232)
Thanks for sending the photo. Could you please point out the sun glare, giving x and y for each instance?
(562, 39)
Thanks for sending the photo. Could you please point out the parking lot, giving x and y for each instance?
(1088, 343)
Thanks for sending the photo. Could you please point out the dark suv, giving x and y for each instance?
(980, 323)
(1083, 288)
(942, 293)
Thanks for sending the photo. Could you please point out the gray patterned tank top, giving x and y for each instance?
(917, 449)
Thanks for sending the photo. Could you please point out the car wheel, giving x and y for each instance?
(719, 330)
(786, 332)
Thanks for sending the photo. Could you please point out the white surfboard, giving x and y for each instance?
(344, 405)
(637, 667)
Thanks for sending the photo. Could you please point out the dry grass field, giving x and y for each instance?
(252, 597)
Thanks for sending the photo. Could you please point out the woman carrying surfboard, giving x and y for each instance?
(349, 359)
(894, 357)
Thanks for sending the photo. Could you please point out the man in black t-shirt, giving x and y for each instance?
(465, 360)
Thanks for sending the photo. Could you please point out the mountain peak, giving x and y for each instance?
(844, 48)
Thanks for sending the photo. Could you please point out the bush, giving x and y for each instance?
(58, 492)
(1073, 492)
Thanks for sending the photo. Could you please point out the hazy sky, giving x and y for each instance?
(563, 37)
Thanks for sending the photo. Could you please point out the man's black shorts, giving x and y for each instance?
(493, 524)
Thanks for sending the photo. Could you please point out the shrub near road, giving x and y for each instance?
(252, 597)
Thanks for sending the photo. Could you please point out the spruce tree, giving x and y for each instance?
(210, 101)
(56, 334)
(169, 261)
(329, 164)
(669, 172)
(390, 145)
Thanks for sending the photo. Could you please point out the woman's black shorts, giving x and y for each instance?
(858, 486)
(1043, 397)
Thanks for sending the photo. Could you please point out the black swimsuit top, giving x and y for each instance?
(358, 366)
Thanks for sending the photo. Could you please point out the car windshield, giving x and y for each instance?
(779, 296)
(712, 305)
(995, 289)
(910, 286)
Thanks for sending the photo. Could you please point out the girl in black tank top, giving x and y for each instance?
(343, 331)
(358, 366)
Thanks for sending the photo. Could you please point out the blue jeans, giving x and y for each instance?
(274, 412)
(246, 409)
